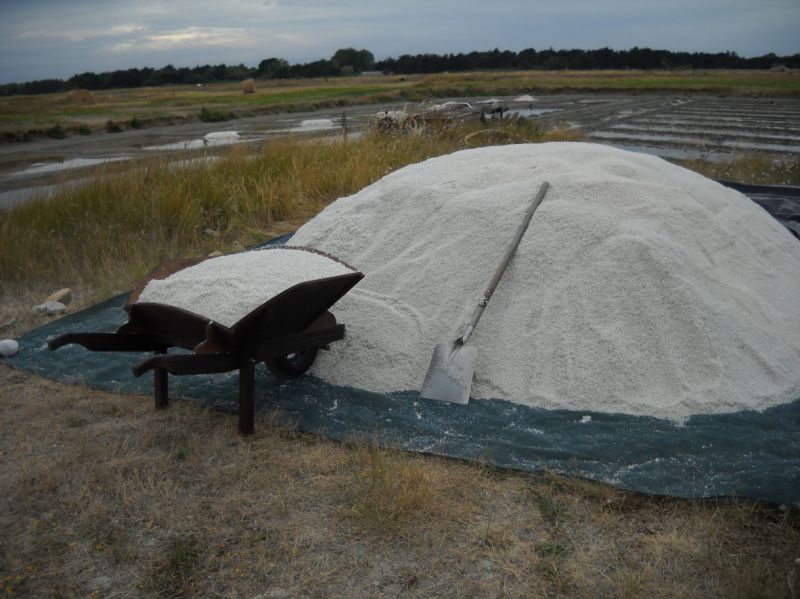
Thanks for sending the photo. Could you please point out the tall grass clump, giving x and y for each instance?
(115, 229)
(400, 495)
(394, 489)
(214, 115)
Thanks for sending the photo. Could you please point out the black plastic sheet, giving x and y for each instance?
(781, 201)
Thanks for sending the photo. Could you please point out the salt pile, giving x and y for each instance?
(227, 288)
(639, 288)
(316, 124)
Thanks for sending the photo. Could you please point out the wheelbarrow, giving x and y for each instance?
(285, 333)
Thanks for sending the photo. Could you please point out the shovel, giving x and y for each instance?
(449, 376)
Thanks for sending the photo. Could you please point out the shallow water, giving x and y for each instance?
(677, 153)
(315, 125)
(746, 133)
(213, 139)
(531, 112)
(52, 167)
(696, 142)
(722, 121)
(16, 197)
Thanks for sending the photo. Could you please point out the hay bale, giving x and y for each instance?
(80, 97)
(249, 86)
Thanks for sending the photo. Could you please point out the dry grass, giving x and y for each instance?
(80, 97)
(107, 234)
(101, 494)
(748, 82)
(751, 168)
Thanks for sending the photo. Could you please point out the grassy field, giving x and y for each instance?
(104, 497)
(750, 168)
(24, 116)
(727, 82)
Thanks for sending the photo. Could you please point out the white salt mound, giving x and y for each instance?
(315, 124)
(227, 288)
(639, 288)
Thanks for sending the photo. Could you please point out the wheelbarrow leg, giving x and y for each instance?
(161, 386)
(247, 384)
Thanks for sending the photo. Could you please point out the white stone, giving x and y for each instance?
(50, 308)
(8, 347)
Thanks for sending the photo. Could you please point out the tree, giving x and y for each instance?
(360, 60)
(318, 68)
(350, 60)
(273, 68)
(527, 58)
(86, 80)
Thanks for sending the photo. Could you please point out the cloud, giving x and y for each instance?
(55, 38)
(194, 37)
(81, 35)
(292, 38)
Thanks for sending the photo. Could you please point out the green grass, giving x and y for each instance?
(268, 97)
(214, 115)
(52, 116)
(728, 82)
(23, 116)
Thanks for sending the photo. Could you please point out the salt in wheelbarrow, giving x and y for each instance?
(285, 333)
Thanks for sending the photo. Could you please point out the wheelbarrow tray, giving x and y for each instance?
(296, 320)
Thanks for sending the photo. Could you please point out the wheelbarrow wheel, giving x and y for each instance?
(292, 365)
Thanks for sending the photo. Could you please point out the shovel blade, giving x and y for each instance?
(449, 376)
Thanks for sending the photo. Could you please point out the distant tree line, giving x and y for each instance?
(348, 61)
(604, 58)
(345, 61)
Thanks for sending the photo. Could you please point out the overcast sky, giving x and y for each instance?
(58, 38)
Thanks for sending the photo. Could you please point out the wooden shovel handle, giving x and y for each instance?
(510, 250)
